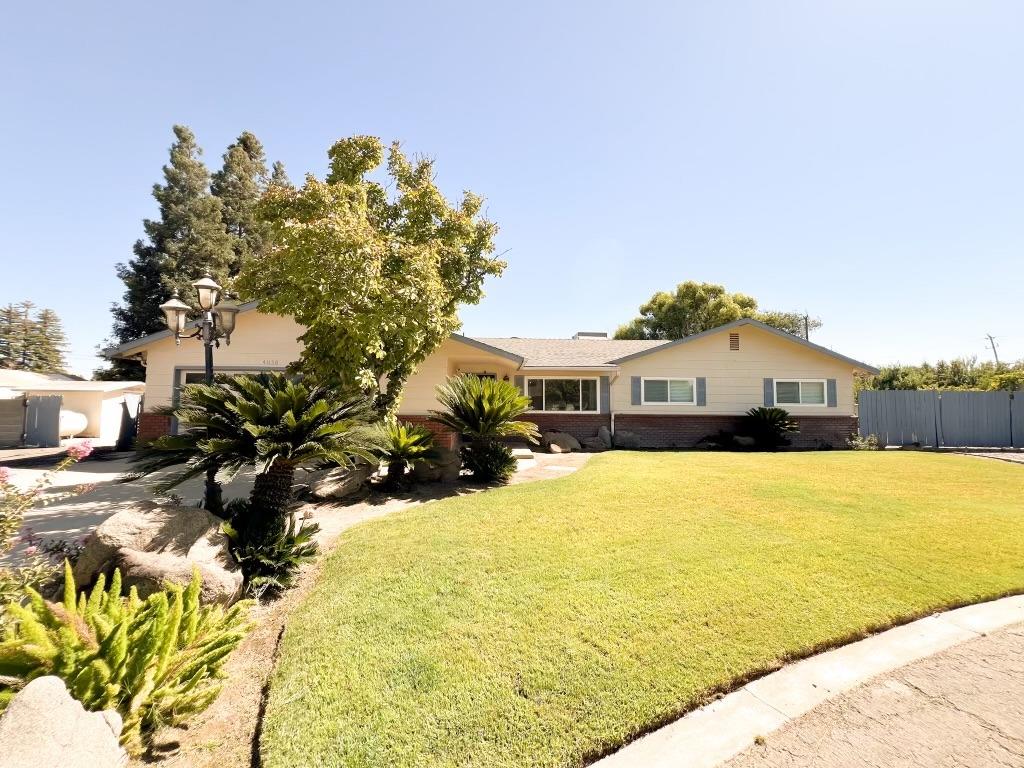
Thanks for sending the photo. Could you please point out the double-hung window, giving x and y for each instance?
(669, 391)
(800, 392)
(578, 395)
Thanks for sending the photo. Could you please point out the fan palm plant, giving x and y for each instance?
(267, 421)
(485, 411)
(399, 444)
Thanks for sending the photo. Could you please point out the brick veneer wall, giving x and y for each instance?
(152, 426)
(444, 437)
(670, 431)
(579, 425)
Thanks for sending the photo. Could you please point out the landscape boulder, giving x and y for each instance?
(152, 543)
(563, 440)
(44, 727)
(593, 444)
(605, 436)
(340, 482)
(626, 439)
(445, 468)
(743, 441)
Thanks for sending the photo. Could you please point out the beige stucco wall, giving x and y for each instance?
(451, 358)
(735, 379)
(260, 341)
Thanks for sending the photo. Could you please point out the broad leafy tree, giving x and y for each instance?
(376, 277)
(697, 307)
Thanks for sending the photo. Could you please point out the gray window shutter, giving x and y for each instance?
(702, 391)
(634, 388)
(606, 395)
(520, 382)
(769, 392)
(833, 397)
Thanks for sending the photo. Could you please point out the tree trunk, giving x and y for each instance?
(271, 499)
(395, 476)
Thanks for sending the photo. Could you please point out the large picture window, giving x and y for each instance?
(563, 395)
(802, 392)
(665, 391)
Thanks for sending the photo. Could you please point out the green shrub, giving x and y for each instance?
(489, 461)
(276, 425)
(399, 444)
(770, 427)
(269, 565)
(485, 410)
(858, 443)
(155, 661)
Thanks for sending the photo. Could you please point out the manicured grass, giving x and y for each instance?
(545, 624)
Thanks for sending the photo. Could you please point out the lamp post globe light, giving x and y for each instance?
(216, 322)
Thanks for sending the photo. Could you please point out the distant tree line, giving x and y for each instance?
(31, 339)
(962, 373)
(206, 223)
(697, 307)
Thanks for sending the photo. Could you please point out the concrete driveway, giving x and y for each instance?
(75, 517)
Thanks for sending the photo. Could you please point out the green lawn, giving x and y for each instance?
(545, 624)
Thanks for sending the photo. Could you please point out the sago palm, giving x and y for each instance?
(484, 409)
(399, 444)
(266, 421)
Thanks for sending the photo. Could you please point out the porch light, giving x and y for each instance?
(207, 291)
(175, 312)
(224, 313)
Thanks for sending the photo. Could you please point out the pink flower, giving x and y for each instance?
(79, 452)
(5, 475)
(31, 550)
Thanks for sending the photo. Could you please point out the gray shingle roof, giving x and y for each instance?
(569, 353)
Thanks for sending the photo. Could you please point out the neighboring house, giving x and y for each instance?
(101, 403)
(669, 393)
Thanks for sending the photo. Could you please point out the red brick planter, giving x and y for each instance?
(685, 431)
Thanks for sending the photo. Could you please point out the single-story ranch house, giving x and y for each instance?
(669, 393)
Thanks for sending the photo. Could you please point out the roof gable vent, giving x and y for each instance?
(590, 335)
(734, 342)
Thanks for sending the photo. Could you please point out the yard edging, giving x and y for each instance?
(708, 736)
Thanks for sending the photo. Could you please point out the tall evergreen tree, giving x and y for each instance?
(49, 342)
(187, 240)
(194, 238)
(279, 177)
(239, 185)
(31, 341)
(9, 352)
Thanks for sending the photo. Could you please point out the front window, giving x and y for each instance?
(664, 391)
(563, 395)
(800, 392)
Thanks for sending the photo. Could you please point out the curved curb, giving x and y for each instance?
(721, 730)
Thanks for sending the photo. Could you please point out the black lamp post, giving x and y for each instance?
(217, 321)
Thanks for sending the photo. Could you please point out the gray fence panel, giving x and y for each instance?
(943, 419)
(42, 420)
(976, 419)
(12, 422)
(1017, 417)
(899, 417)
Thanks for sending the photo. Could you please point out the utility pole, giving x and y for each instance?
(807, 327)
(994, 346)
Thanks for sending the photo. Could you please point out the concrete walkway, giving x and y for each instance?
(75, 516)
(961, 707)
(714, 734)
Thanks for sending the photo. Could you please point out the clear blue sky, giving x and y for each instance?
(860, 160)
